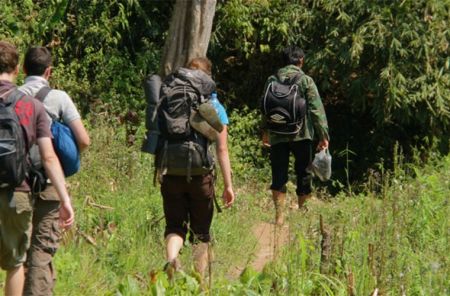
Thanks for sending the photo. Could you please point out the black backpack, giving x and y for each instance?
(13, 154)
(284, 107)
(183, 151)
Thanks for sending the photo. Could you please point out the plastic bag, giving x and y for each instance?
(321, 165)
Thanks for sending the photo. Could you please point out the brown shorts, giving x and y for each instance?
(15, 228)
(41, 276)
(188, 206)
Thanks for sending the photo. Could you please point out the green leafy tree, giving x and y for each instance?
(382, 67)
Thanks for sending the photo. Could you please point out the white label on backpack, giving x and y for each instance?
(277, 118)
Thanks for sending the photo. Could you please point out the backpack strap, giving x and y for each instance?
(296, 78)
(14, 97)
(189, 164)
(41, 95)
(163, 165)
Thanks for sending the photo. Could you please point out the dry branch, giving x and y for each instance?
(88, 238)
(325, 245)
(351, 284)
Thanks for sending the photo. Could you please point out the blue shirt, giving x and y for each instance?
(219, 109)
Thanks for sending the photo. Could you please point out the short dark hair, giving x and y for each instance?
(293, 55)
(37, 59)
(9, 57)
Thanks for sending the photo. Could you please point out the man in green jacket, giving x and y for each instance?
(300, 144)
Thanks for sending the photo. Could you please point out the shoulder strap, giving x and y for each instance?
(14, 97)
(42, 93)
(296, 78)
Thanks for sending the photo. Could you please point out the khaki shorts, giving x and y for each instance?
(15, 228)
(41, 275)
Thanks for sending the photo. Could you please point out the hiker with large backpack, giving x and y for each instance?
(292, 111)
(189, 121)
(41, 275)
(23, 122)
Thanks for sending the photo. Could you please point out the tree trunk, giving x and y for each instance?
(189, 33)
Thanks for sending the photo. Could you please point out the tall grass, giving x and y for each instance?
(393, 236)
(396, 241)
(117, 245)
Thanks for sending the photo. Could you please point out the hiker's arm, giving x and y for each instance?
(225, 167)
(81, 135)
(55, 173)
(265, 138)
(317, 112)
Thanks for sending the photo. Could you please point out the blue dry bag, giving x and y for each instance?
(66, 148)
(64, 142)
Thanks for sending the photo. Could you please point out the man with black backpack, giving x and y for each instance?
(41, 275)
(189, 121)
(292, 111)
(23, 122)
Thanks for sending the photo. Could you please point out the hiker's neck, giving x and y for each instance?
(8, 77)
(11, 77)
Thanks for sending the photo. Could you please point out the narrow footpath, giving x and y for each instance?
(270, 239)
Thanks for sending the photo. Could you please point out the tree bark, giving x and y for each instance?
(189, 33)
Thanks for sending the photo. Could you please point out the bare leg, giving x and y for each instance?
(201, 257)
(174, 243)
(14, 281)
(279, 199)
(302, 199)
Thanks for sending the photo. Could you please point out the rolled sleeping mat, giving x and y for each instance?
(150, 142)
(152, 88)
(208, 112)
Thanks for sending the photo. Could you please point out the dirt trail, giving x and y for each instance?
(270, 241)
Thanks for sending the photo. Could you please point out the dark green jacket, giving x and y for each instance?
(315, 119)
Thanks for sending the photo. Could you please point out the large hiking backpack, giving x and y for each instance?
(13, 161)
(183, 151)
(284, 107)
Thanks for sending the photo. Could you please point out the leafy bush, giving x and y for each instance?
(102, 49)
(381, 67)
(248, 157)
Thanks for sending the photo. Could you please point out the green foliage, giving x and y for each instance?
(117, 244)
(394, 238)
(382, 67)
(383, 70)
(247, 154)
(395, 242)
(394, 63)
(102, 49)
